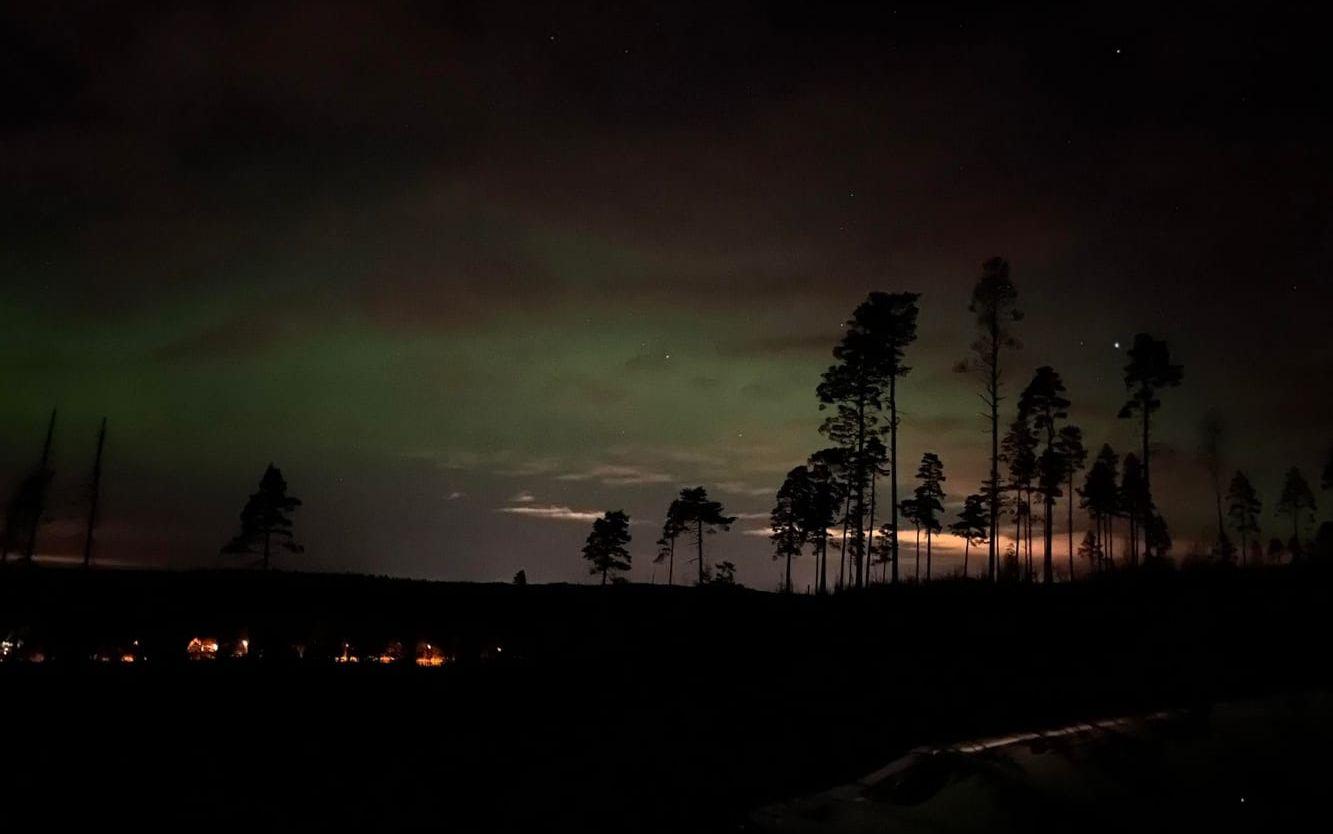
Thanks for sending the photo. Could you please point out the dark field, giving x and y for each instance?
(620, 709)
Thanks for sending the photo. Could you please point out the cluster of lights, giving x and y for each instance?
(203, 648)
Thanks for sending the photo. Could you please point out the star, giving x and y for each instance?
(1117, 345)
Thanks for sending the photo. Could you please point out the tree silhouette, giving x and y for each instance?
(705, 517)
(1074, 456)
(787, 519)
(995, 305)
(1044, 400)
(929, 499)
(869, 361)
(1019, 452)
(266, 516)
(607, 547)
(895, 320)
(1296, 500)
(908, 509)
(1135, 504)
(1100, 497)
(818, 513)
(1275, 549)
(829, 470)
(1156, 536)
(723, 574)
(666, 545)
(1243, 508)
(94, 494)
(1148, 372)
(973, 525)
(877, 462)
(882, 553)
(1091, 550)
(1211, 431)
(27, 505)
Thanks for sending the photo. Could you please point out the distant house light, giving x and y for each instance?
(202, 648)
(430, 656)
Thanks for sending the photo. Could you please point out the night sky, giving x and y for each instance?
(473, 273)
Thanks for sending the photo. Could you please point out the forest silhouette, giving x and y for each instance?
(832, 502)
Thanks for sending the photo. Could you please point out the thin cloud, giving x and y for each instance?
(523, 497)
(612, 475)
(552, 512)
(741, 488)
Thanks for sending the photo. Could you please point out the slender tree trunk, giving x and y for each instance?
(918, 554)
(859, 544)
(671, 561)
(842, 551)
(967, 546)
(929, 536)
(893, 468)
(823, 563)
(603, 576)
(268, 535)
(1018, 533)
(699, 539)
(1027, 531)
(995, 444)
(1147, 484)
(870, 529)
(1070, 531)
(789, 573)
(39, 504)
(96, 489)
(1046, 528)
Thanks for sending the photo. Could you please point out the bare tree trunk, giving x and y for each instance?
(39, 504)
(1071, 525)
(859, 543)
(1110, 539)
(870, 529)
(929, 536)
(918, 554)
(1018, 533)
(995, 445)
(893, 469)
(823, 563)
(699, 539)
(1147, 486)
(1049, 566)
(96, 490)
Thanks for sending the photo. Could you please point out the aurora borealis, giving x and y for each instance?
(470, 275)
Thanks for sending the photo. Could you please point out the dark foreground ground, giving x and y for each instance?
(616, 709)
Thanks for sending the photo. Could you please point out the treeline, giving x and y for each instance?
(1039, 471)
(1035, 464)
